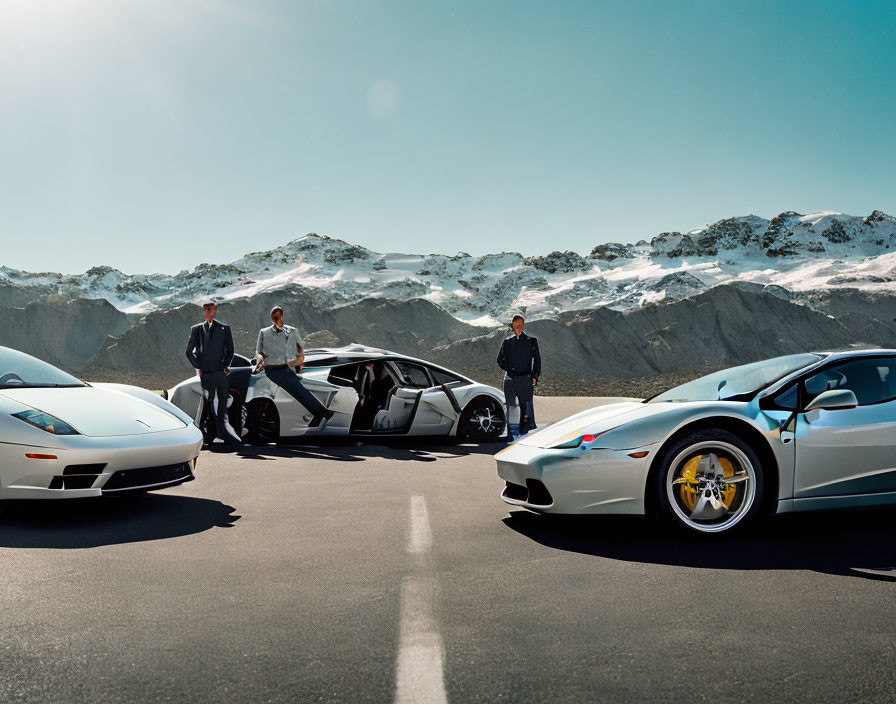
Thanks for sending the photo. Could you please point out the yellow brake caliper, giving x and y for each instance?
(689, 484)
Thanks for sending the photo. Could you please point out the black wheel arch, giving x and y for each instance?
(735, 426)
(480, 397)
(256, 403)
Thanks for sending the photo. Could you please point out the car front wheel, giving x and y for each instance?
(710, 482)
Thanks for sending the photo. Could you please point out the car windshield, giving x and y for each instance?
(737, 383)
(22, 371)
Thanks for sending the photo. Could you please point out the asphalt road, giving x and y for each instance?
(349, 573)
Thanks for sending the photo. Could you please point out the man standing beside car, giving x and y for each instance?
(279, 351)
(210, 351)
(521, 361)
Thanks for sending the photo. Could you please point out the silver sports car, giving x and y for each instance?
(373, 392)
(62, 438)
(794, 433)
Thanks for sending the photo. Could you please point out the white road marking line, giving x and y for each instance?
(419, 673)
(420, 536)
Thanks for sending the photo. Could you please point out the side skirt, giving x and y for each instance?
(821, 503)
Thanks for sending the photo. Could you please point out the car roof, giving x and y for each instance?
(354, 353)
(351, 353)
(859, 352)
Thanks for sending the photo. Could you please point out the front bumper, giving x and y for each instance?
(84, 465)
(570, 481)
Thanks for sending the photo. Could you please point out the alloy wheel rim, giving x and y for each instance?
(711, 486)
(485, 419)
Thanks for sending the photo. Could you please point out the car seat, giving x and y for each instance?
(396, 411)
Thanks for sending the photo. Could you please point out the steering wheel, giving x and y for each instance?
(10, 376)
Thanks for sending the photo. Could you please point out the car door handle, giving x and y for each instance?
(787, 428)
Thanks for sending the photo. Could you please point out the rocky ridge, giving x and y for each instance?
(802, 253)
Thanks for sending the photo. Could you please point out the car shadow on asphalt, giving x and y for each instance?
(343, 450)
(89, 523)
(854, 543)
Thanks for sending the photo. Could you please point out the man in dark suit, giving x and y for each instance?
(210, 351)
(521, 361)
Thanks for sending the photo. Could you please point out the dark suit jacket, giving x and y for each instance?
(520, 356)
(212, 352)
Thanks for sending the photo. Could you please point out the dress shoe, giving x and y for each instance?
(320, 422)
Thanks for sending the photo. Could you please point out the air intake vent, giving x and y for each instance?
(149, 477)
(80, 476)
(93, 469)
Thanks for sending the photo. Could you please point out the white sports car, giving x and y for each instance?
(794, 433)
(62, 438)
(373, 392)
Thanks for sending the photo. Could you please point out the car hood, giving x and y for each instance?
(594, 421)
(97, 412)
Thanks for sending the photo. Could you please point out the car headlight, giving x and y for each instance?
(46, 422)
(582, 440)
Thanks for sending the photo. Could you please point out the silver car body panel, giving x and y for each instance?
(840, 458)
(606, 470)
(432, 409)
(122, 428)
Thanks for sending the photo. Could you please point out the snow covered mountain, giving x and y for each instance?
(802, 253)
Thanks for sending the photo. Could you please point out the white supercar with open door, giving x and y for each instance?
(373, 393)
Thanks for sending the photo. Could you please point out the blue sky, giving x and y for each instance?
(152, 136)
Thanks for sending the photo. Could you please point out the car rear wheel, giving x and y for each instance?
(710, 482)
(262, 422)
(483, 420)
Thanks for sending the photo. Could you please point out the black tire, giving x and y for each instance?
(483, 420)
(235, 416)
(680, 480)
(262, 422)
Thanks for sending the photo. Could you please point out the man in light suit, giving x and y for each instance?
(210, 351)
(279, 351)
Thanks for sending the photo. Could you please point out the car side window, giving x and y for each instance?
(345, 375)
(872, 380)
(787, 399)
(413, 375)
(240, 361)
(441, 377)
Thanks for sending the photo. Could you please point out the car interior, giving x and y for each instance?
(389, 391)
(386, 402)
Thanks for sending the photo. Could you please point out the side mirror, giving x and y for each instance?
(833, 400)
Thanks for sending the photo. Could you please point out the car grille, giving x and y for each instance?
(148, 477)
